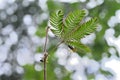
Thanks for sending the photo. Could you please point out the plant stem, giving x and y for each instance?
(45, 55)
(45, 66)
(57, 45)
(46, 39)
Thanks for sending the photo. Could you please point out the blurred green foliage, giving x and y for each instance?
(99, 47)
(31, 74)
(41, 29)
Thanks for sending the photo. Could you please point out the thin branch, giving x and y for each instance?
(45, 55)
(46, 39)
(44, 60)
(57, 45)
(45, 65)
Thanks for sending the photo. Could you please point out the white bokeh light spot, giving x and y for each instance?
(13, 37)
(74, 61)
(27, 19)
(38, 67)
(19, 70)
(31, 30)
(7, 29)
(24, 56)
(114, 64)
(3, 53)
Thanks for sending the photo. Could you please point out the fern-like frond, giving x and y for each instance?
(70, 29)
(83, 30)
(73, 19)
(56, 21)
(78, 46)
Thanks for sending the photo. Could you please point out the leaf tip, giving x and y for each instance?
(59, 12)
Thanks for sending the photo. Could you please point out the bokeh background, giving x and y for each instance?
(22, 36)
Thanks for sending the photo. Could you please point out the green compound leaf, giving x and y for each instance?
(78, 47)
(71, 30)
(83, 30)
(73, 19)
(56, 20)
